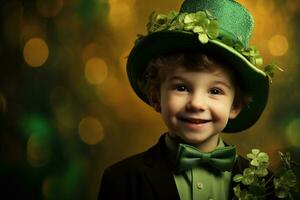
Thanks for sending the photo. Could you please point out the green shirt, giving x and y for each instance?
(200, 183)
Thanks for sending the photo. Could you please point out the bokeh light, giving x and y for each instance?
(49, 8)
(96, 71)
(292, 132)
(91, 130)
(35, 52)
(120, 14)
(35, 123)
(38, 150)
(278, 45)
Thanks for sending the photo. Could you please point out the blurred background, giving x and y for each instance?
(67, 110)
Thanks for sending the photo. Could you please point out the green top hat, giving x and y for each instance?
(222, 27)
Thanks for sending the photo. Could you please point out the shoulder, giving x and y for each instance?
(130, 163)
(155, 155)
(126, 177)
(137, 162)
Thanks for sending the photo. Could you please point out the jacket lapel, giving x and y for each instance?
(159, 171)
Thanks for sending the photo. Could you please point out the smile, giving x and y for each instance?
(193, 120)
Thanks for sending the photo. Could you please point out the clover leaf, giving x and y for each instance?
(261, 171)
(258, 158)
(253, 55)
(238, 177)
(190, 18)
(213, 29)
(203, 38)
(241, 194)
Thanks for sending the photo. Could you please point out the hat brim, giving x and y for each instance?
(255, 81)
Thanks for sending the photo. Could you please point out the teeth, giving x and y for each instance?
(195, 121)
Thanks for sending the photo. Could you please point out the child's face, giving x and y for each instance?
(196, 105)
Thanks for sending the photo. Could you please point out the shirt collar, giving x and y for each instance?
(173, 143)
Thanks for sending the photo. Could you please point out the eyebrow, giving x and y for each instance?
(180, 78)
(223, 83)
(219, 74)
(174, 78)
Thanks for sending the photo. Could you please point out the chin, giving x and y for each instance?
(198, 138)
(194, 139)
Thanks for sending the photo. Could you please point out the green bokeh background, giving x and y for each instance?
(42, 153)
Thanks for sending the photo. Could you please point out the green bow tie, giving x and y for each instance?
(222, 158)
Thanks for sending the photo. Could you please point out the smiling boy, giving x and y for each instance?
(196, 105)
(197, 99)
(195, 68)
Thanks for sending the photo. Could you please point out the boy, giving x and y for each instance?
(195, 68)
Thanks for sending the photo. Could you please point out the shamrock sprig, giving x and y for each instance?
(207, 28)
(253, 183)
(201, 23)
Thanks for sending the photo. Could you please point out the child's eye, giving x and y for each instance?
(216, 91)
(180, 88)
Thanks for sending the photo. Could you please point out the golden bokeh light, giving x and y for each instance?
(49, 8)
(91, 130)
(2, 104)
(120, 14)
(96, 71)
(35, 52)
(278, 45)
(38, 153)
(292, 132)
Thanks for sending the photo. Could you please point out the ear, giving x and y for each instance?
(235, 111)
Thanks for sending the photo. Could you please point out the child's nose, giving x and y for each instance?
(197, 102)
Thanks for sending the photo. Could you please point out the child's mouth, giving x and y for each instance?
(193, 120)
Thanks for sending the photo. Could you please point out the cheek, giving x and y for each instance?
(175, 104)
(171, 104)
(222, 109)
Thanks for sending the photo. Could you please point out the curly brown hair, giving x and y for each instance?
(158, 68)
